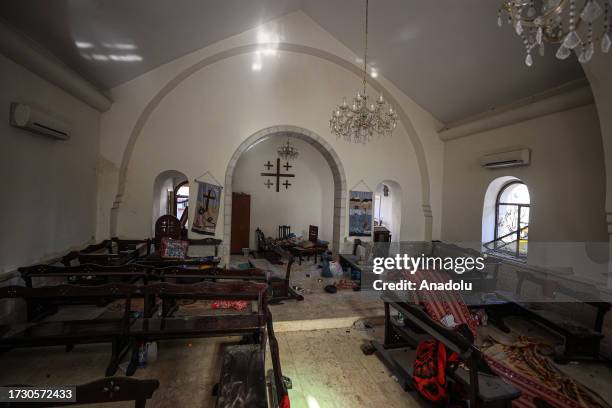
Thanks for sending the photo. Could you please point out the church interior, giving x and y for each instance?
(306, 203)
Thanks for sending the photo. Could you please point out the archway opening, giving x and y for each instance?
(296, 193)
(388, 209)
(316, 143)
(170, 196)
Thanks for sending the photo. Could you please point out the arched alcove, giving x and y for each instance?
(388, 207)
(301, 196)
(165, 181)
(321, 145)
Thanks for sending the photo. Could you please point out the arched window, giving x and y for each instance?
(512, 219)
(181, 201)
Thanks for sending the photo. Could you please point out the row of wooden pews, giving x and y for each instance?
(130, 272)
(126, 333)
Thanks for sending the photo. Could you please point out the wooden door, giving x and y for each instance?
(241, 222)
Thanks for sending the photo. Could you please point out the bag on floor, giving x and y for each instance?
(429, 374)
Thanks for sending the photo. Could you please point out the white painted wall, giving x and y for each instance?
(308, 201)
(201, 122)
(566, 178)
(49, 191)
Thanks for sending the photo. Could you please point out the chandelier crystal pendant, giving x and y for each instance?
(561, 23)
(287, 151)
(364, 118)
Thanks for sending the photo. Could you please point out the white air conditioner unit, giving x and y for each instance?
(512, 158)
(34, 120)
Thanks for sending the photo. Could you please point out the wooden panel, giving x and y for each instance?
(241, 222)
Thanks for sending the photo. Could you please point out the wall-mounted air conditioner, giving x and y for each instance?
(35, 120)
(511, 158)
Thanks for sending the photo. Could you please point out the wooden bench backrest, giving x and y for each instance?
(280, 386)
(206, 242)
(313, 234)
(284, 231)
(118, 290)
(73, 255)
(209, 290)
(29, 272)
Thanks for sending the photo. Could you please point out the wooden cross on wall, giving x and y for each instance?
(278, 174)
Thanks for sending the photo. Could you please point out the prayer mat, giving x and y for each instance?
(524, 365)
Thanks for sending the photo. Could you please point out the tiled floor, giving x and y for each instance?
(330, 310)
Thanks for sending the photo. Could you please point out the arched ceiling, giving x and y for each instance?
(447, 55)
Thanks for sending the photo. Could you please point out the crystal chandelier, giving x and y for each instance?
(559, 22)
(359, 122)
(287, 151)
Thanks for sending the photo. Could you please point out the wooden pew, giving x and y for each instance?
(153, 329)
(244, 364)
(581, 341)
(72, 332)
(105, 390)
(154, 260)
(114, 251)
(88, 274)
(483, 387)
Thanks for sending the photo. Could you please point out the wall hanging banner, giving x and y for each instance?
(360, 213)
(207, 208)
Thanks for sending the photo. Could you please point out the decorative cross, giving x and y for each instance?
(208, 196)
(268, 183)
(287, 166)
(269, 165)
(278, 175)
(286, 184)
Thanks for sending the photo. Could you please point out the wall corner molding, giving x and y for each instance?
(33, 57)
(571, 95)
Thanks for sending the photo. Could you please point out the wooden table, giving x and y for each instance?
(299, 252)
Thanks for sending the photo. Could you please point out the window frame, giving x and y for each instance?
(520, 207)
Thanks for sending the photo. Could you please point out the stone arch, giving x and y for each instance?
(322, 146)
(287, 47)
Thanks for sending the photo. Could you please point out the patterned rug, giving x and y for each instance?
(525, 365)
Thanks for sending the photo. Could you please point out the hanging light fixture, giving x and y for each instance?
(287, 151)
(358, 123)
(560, 22)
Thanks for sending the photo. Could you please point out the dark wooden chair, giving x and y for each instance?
(262, 242)
(167, 226)
(72, 332)
(284, 231)
(105, 390)
(281, 286)
(313, 234)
